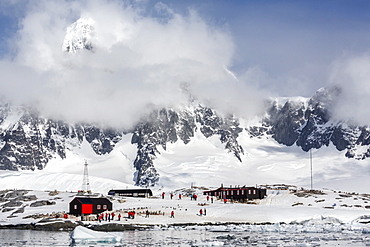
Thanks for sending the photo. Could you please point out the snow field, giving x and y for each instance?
(278, 206)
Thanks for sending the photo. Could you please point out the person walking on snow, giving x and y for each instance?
(119, 217)
(200, 212)
(179, 196)
(163, 195)
(113, 215)
(172, 214)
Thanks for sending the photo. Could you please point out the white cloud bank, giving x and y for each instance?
(352, 75)
(142, 58)
(139, 61)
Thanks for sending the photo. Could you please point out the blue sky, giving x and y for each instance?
(282, 48)
(7, 28)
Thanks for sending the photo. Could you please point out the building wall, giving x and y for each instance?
(239, 194)
(131, 193)
(77, 208)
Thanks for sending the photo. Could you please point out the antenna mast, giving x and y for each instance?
(311, 168)
(86, 184)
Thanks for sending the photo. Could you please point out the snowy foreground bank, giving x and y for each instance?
(281, 210)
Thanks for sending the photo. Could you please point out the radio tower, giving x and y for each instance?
(86, 184)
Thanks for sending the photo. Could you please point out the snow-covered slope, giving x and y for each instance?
(175, 149)
(79, 35)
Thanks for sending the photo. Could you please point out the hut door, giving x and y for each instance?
(87, 208)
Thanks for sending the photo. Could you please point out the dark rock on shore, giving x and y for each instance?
(50, 226)
(117, 227)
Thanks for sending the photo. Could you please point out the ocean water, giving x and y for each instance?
(195, 237)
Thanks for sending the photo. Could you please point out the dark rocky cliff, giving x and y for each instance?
(28, 141)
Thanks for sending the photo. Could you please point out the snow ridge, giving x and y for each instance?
(79, 36)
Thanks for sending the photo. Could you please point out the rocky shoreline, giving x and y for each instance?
(68, 225)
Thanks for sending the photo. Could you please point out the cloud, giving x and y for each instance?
(352, 75)
(139, 62)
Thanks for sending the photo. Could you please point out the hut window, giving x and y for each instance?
(98, 206)
(254, 192)
(242, 192)
(232, 192)
(104, 207)
(237, 192)
(75, 206)
(249, 192)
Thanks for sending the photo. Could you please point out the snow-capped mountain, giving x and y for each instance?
(30, 141)
(79, 35)
(219, 143)
(309, 124)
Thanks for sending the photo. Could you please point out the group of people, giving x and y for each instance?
(131, 214)
(202, 212)
(171, 195)
(108, 216)
(193, 196)
(209, 198)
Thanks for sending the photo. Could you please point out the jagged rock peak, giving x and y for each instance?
(326, 97)
(78, 36)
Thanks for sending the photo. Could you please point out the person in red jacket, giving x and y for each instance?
(200, 212)
(172, 214)
(119, 217)
(113, 214)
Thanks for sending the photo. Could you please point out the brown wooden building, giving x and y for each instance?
(89, 205)
(237, 193)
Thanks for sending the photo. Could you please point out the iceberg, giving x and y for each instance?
(83, 235)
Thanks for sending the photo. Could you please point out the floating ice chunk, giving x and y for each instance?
(84, 235)
(318, 220)
(208, 244)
